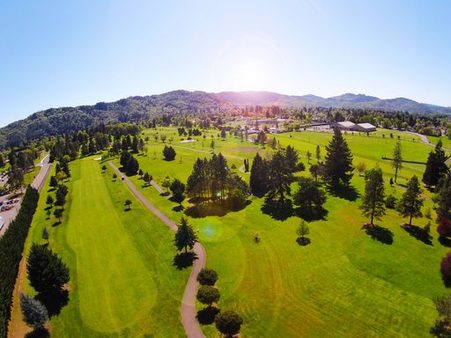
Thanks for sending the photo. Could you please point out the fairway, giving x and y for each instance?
(122, 279)
(104, 251)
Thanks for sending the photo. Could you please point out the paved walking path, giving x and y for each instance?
(188, 308)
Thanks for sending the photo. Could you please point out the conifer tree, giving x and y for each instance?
(259, 176)
(46, 271)
(185, 237)
(397, 159)
(436, 166)
(373, 205)
(338, 164)
(411, 201)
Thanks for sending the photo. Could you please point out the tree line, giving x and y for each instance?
(11, 248)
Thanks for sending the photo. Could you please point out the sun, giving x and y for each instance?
(246, 64)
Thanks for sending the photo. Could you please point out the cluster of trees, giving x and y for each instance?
(227, 322)
(212, 180)
(442, 327)
(47, 274)
(117, 137)
(129, 164)
(11, 248)
(191, 131)
(373, 200)
(273, 177)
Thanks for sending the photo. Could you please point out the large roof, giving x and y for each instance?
(347, 124)
(366, 125)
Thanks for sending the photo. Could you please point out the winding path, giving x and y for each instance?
(188, 308)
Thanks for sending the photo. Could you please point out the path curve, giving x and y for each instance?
(188, 308)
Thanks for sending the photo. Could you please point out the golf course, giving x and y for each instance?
(345, 283)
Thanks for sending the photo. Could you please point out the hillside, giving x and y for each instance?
(66, 119)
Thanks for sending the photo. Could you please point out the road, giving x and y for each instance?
(188, 307)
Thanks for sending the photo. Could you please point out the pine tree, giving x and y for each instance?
(34, 312)
(292, 159)
(436, 166)
(178, 189)
(185, 237)
(280, 177)
(411, 201)
(443, 207)
(318, 153)
(259, 176)
(373, 205)
(46, 271)
(397, 159)
(338, 164)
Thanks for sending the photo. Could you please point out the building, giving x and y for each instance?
(365, 127)
(345, 125)
(351, 126)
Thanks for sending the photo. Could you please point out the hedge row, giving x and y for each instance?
(11, 248)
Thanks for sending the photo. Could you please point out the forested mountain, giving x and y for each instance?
(137, 108)
(342, 101)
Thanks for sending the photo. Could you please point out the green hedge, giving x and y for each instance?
(11, 248)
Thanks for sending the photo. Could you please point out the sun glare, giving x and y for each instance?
(246, 64)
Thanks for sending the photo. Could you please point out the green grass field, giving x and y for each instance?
(122, 279)
(344, 283)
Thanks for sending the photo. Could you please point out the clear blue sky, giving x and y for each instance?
(61, 53)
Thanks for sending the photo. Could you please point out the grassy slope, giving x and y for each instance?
(122, 280)
(344, 283)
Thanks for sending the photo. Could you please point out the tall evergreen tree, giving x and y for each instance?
(34, 313)
(318, 153)
(443, 207)
(411, 201)
(178, 190)
(436, 166)
(46, 271)
(397, 159)
(259, 176)
(280, 177)
(373, 205)
(292, 159)
(185, 237)
(338, 164)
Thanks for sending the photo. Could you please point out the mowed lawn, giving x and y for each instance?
(344, 283)
(122, 279)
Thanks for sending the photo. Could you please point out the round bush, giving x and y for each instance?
(207, 277)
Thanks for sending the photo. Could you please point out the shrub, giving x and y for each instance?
(207, 277)
(207, 295)
(228, 323)
(34, 312)
(390, 202)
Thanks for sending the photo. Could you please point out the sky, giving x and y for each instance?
(67, 53)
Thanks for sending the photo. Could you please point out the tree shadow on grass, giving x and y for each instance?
(54, 301)
(184, 260)
(311, 215)
(379, 233)
(303, 241)
(419, 233)
(217, 208)
(207, 315)
(178, 208)
(38, 333)
(56, 223)
(347, 192)
(445, 241)
(165, 194)
(278, 210)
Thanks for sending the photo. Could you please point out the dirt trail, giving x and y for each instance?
(188, 307)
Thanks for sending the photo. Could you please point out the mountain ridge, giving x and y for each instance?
(54, 121)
